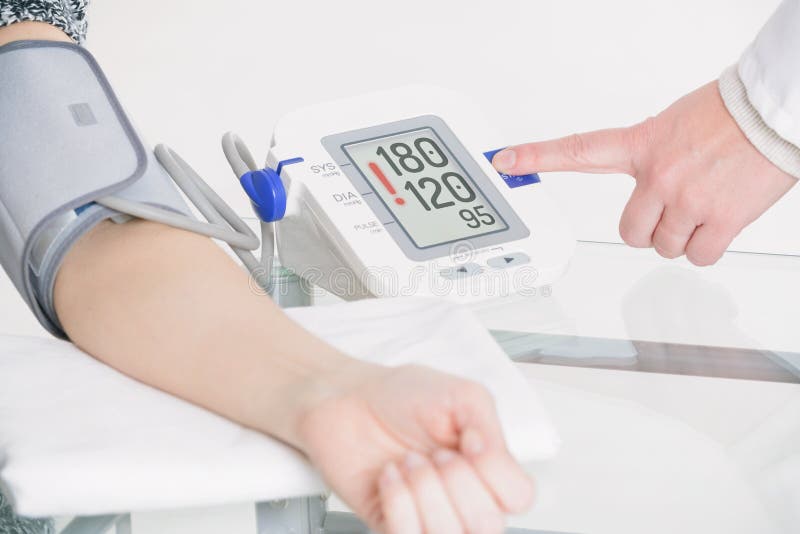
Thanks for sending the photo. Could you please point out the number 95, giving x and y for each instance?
(475, 217)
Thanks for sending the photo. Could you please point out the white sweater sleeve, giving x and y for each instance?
(763, 93)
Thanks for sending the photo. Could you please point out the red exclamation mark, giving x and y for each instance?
(385, 181)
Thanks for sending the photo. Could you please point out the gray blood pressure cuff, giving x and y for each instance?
(65, 142)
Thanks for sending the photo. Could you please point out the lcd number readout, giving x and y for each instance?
(418, 164)
(425, 187)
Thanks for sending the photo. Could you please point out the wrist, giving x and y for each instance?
(319, 379)
(323, 393)
(778, 151)
(29, 30)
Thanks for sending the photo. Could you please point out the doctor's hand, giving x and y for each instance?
(699, 181)
(412, 450)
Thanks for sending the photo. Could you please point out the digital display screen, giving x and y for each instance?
(425, 187)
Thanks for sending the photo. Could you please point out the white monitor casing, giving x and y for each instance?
(333, 238)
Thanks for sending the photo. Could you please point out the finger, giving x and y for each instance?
(473, 502)
(483, 444)
(511, 486)
(602, 151)
(708, 244)
(433, 505)
(640, 218)
(397, 503)
(673, 233)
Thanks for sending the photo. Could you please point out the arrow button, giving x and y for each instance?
(509, 260)
(461, 271)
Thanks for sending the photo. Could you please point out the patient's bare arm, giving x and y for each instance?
(171, 309)
(409, 449)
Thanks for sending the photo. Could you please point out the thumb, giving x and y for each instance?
(602, 151)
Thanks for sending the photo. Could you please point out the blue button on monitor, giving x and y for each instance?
(512, 180)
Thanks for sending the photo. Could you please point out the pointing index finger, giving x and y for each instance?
(601, 151)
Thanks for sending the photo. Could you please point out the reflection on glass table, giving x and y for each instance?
(675, 389)
(651, 357)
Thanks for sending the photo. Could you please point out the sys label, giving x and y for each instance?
(325, 169)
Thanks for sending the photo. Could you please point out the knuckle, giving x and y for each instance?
(662, 181)
(640, 138)
(575, 147)
(627, 235)
(632, 236)
(669, 254)
(666, 244)
(701, 259)
(643, 133)
(690, 200)
(708, 248)
(439, 423)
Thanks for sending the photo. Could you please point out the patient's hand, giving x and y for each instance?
(413, 450)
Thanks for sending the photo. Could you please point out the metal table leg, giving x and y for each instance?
(304, 515)
(99, 524)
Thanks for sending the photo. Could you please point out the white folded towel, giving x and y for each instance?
(78, 438)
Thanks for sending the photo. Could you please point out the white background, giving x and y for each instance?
(187, 71)
(190, 70)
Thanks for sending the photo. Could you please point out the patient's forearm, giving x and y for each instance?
(171, 309)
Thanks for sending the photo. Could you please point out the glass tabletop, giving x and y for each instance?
(675, 389)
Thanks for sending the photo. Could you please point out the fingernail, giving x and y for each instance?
(443, 456)
(390, 475)
(471, 442)
(505, 159)
(414, 460)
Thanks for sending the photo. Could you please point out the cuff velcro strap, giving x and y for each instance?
(65, 142)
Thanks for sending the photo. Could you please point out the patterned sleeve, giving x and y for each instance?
(68, 15)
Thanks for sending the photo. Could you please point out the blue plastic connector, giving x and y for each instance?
(266, 192)
(290, 161)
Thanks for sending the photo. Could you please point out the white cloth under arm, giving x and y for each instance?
(763, 92)
(78, 438)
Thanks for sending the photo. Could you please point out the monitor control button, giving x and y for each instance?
(461, 271)
(512, 259)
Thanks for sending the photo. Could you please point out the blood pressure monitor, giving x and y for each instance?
(393, 194)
